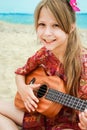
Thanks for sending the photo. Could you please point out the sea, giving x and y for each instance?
(22, 18)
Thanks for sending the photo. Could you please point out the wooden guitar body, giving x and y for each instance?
(45, 106)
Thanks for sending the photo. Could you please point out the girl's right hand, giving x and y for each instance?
(28, 96)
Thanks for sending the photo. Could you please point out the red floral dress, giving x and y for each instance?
(52, 65)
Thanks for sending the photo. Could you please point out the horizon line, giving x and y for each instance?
(16, 13)
(31, 13)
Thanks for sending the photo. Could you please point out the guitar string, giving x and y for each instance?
(73, 102)
(60, 97)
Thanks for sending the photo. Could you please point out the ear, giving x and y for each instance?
(73, 26)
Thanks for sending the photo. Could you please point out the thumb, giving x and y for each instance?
(35, 86)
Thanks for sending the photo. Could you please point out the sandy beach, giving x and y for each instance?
(17, 43)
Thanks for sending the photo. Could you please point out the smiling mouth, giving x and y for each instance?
(49, 42)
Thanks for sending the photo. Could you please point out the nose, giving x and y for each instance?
(47, 31)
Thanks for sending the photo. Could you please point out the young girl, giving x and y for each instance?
(61, 54)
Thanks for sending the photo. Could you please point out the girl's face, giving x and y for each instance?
(49, 32)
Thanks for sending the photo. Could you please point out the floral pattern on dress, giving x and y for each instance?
(83, 80)
(52, 66)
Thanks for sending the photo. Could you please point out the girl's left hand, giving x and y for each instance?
(83, 120)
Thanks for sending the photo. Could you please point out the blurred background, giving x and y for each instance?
(21, 11)
(18, 39)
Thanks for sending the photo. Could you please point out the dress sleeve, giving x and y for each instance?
(32, 62)
(83, 80)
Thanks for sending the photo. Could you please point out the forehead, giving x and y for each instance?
(46, 14)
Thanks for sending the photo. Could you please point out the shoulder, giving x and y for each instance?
(83, 80)
(41, 50)
(84, 57)
(84, 63)
(84, 54)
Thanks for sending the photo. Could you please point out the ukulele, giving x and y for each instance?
(51, 94)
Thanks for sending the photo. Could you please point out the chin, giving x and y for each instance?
(50, 47)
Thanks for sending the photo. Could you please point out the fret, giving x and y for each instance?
(65, 99)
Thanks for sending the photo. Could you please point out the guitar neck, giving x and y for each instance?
(65, 99)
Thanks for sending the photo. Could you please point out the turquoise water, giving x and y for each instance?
(17, 18)
(29, 19)
(82, 20)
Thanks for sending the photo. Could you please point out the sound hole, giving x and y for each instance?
(42, 90)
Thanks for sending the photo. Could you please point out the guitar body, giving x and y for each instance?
(45, 107)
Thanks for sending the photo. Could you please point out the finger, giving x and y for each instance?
(29, 107)
(35, 86)
(83, 120)
(82, 127)
(33, 97)
(85, 113)
(32, 102)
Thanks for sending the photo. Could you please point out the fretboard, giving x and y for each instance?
(65, 99)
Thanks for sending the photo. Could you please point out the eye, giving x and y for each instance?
(41, 24)
(55, 25)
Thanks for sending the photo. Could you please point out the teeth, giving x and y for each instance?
(49, 41)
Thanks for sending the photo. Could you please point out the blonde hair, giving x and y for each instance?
(65, 17)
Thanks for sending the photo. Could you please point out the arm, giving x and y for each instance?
(26, 92)
(83, 93)
(83, 115)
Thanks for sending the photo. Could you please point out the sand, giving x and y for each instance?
(17, 43)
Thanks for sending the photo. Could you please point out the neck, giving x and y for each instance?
(59, 53)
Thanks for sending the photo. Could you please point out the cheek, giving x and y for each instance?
(62, 35)
(39, 33)
(65, 36)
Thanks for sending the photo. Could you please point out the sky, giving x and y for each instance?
(28, 6)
